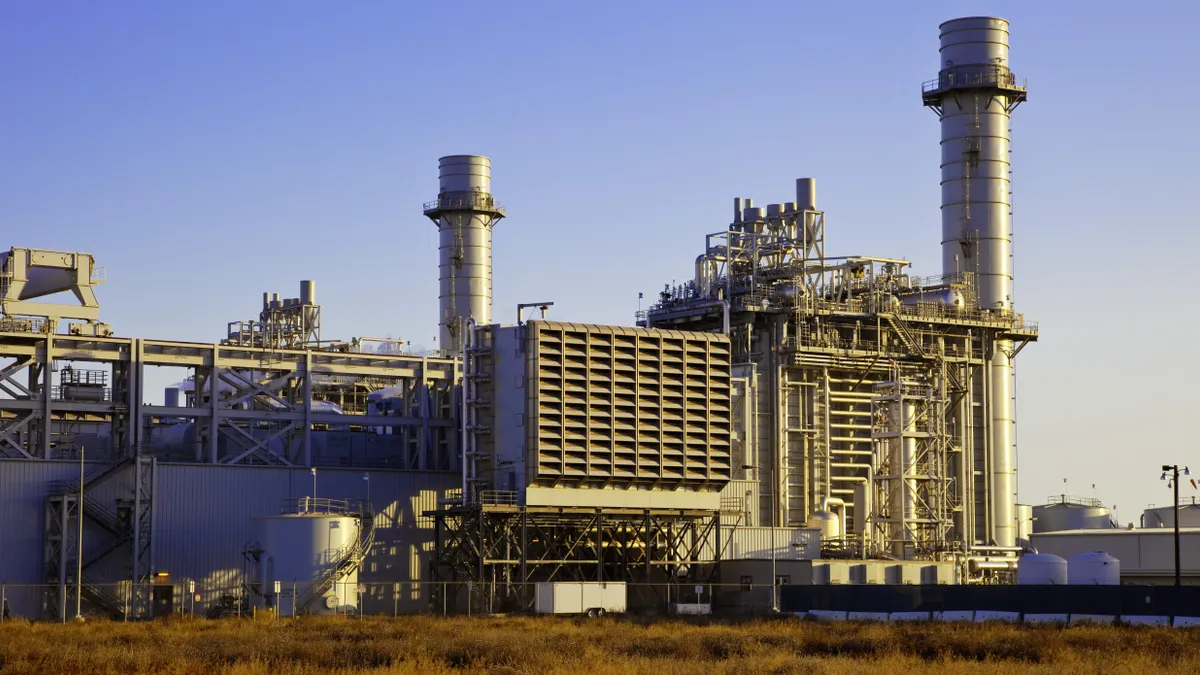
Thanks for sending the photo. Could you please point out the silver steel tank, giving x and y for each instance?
(302, 548)
(465, 213)
(1062, 517)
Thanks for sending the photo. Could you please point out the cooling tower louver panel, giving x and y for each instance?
(629, 408)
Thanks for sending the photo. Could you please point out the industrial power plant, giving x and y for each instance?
(794, 414)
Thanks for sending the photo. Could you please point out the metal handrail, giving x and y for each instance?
(1074, 500)
(498, 498)
(480, 201)
(315, 505)
(999, 76)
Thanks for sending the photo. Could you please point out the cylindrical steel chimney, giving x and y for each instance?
(974, 95)
(806, 194)
(465, 214)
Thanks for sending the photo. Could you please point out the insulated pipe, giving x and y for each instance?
(467, 343)
(828, 503)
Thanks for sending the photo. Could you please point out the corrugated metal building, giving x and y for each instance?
(202, 522)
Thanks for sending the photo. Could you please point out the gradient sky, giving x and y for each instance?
(206, 152)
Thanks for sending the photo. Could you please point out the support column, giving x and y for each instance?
(307, 437)
(47, 387)
(214, 380)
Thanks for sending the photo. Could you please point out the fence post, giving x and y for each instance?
(3, 601)
(395, 599)
(293, 612)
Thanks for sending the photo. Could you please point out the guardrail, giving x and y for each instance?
(997, 76)
(474, 201)
(319, 505)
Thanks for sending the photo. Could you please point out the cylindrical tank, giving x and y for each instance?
(948, 297)
(302, 548)
(465, 214)
(1096, 569)
(806, 194)
(1061, 517)
(308, 292)
(1024, 521)
(1041, 569)
(827, 522)
(753, 214)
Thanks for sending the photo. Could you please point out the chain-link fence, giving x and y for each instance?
(287, 599)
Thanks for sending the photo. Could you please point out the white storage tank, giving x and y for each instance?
(317, 549)
(1095, 569)
(1043, 569)
(1072, 513)
(827, 522)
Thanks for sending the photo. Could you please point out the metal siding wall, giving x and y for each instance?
(22, 509)
(215, 505)
(203, 519)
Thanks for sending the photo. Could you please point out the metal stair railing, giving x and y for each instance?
(90, 478)
(906, 335)
(102, 597)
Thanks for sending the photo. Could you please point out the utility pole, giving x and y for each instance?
(1174, 471)
(79, 546)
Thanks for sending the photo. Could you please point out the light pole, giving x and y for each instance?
(314, 497)
(79, 545)
(1173, 469)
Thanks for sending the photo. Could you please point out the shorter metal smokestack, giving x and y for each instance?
(806, 194)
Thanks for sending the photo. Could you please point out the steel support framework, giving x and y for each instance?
(814, 334)
(489, 557)
(268, 417)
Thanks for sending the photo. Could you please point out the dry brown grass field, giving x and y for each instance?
(548, 645)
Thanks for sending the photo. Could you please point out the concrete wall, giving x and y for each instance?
(203, 521)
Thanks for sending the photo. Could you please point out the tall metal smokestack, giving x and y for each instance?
(465, 213)
(974, 95)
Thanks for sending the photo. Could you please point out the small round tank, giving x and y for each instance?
(304, 548)
(1042, 569)
(826, 522)
(1094, 569)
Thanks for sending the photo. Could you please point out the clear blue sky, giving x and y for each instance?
(206, 152)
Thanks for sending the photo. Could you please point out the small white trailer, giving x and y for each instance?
(593, 598)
